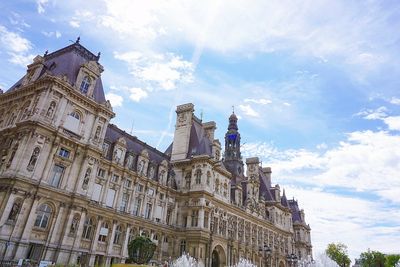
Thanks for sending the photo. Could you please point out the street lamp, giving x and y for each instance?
(292, 259)
(267, 253)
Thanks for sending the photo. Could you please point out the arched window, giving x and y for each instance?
(132, 234)
(75, 115)
(85, 84)
(33, 160)
(118, 235)
(183, 247)
(43, 216)
(103, 232)
(198, 176)
(88, 228)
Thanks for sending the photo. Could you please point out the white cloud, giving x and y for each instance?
(392, 122)
(74, 24)
(261, 101)
(163, 71)
(40, 5)
(116, 100)
(287, 104)
(16, 46)
(395, 101)
(56, 34)
(136, 94)
(373, 114)
(249, 111)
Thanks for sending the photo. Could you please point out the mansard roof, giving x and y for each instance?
(67, 62)
(264, 186)
(199, 143)
(296, 213)
(133, 144)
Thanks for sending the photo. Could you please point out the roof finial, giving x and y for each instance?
(77, 40)
(46, 52)
(98, 55)
(233, 109)
(201, 115)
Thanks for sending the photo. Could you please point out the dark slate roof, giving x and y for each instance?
(294, 207)
(264, 187)
(133, 144)
(67, 61)
(199, 143)
(284, 200)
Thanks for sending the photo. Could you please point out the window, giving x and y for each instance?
(35, 251)
(161, 196)
(183, 247)
(115, 178)
(136, 207)
(139, 188)
(206, 215)
(33, 159)
(72, 122)
(101, 172)
(118, 235)
(147, 212)
(150, 192)
(64, 153)
(110, 198)
(103, 232)
(128, 183)
(56, 175)
(195, 218)
(124, 202)
(85, 84)
(43, 216)
(132, 235)
(198, 176)
(97, 192)
(88, 228)
(208, 177)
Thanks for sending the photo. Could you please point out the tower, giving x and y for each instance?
(233, 159)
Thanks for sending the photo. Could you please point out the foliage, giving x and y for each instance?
(372, 259)
(392, 259)
(141, 249)
(338, 253)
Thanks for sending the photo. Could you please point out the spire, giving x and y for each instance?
(233, 159)
(233, 122)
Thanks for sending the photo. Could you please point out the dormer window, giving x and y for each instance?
(85, 84)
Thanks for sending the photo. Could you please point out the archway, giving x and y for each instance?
(281, 264)
(218, 257)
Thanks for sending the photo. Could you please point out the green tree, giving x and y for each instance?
(141, 250)
(372, 259)
(391, 260)
(338, 253)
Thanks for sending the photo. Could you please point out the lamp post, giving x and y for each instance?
(292, 259)
(267, 253)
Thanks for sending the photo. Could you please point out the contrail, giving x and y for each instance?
(198, 51)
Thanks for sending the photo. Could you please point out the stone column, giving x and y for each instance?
(111, 243)
(95, 240)
(78, 237)
(125, 243)
(201, 218)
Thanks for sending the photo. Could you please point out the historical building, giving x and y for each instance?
(76, 189)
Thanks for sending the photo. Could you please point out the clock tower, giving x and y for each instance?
(233, 159)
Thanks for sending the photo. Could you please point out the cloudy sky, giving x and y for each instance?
(315, 85)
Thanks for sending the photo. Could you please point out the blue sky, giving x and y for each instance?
(314, 83)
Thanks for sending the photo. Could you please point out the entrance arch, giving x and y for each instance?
(218, 257)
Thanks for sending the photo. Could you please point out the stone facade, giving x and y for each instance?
(76, 189)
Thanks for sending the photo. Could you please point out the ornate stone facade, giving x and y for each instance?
(76, 189)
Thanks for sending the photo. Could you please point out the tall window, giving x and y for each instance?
(85, 84)
(43, 216)
(72, 122)
(195, 218)
(147, 213)
(132, 235)
(56, 175)
(33, 159)
(136, 207)
(103, 232)
(198, 176)
(124, 202)
(183, 247)
(118, 235)
(88, 228)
